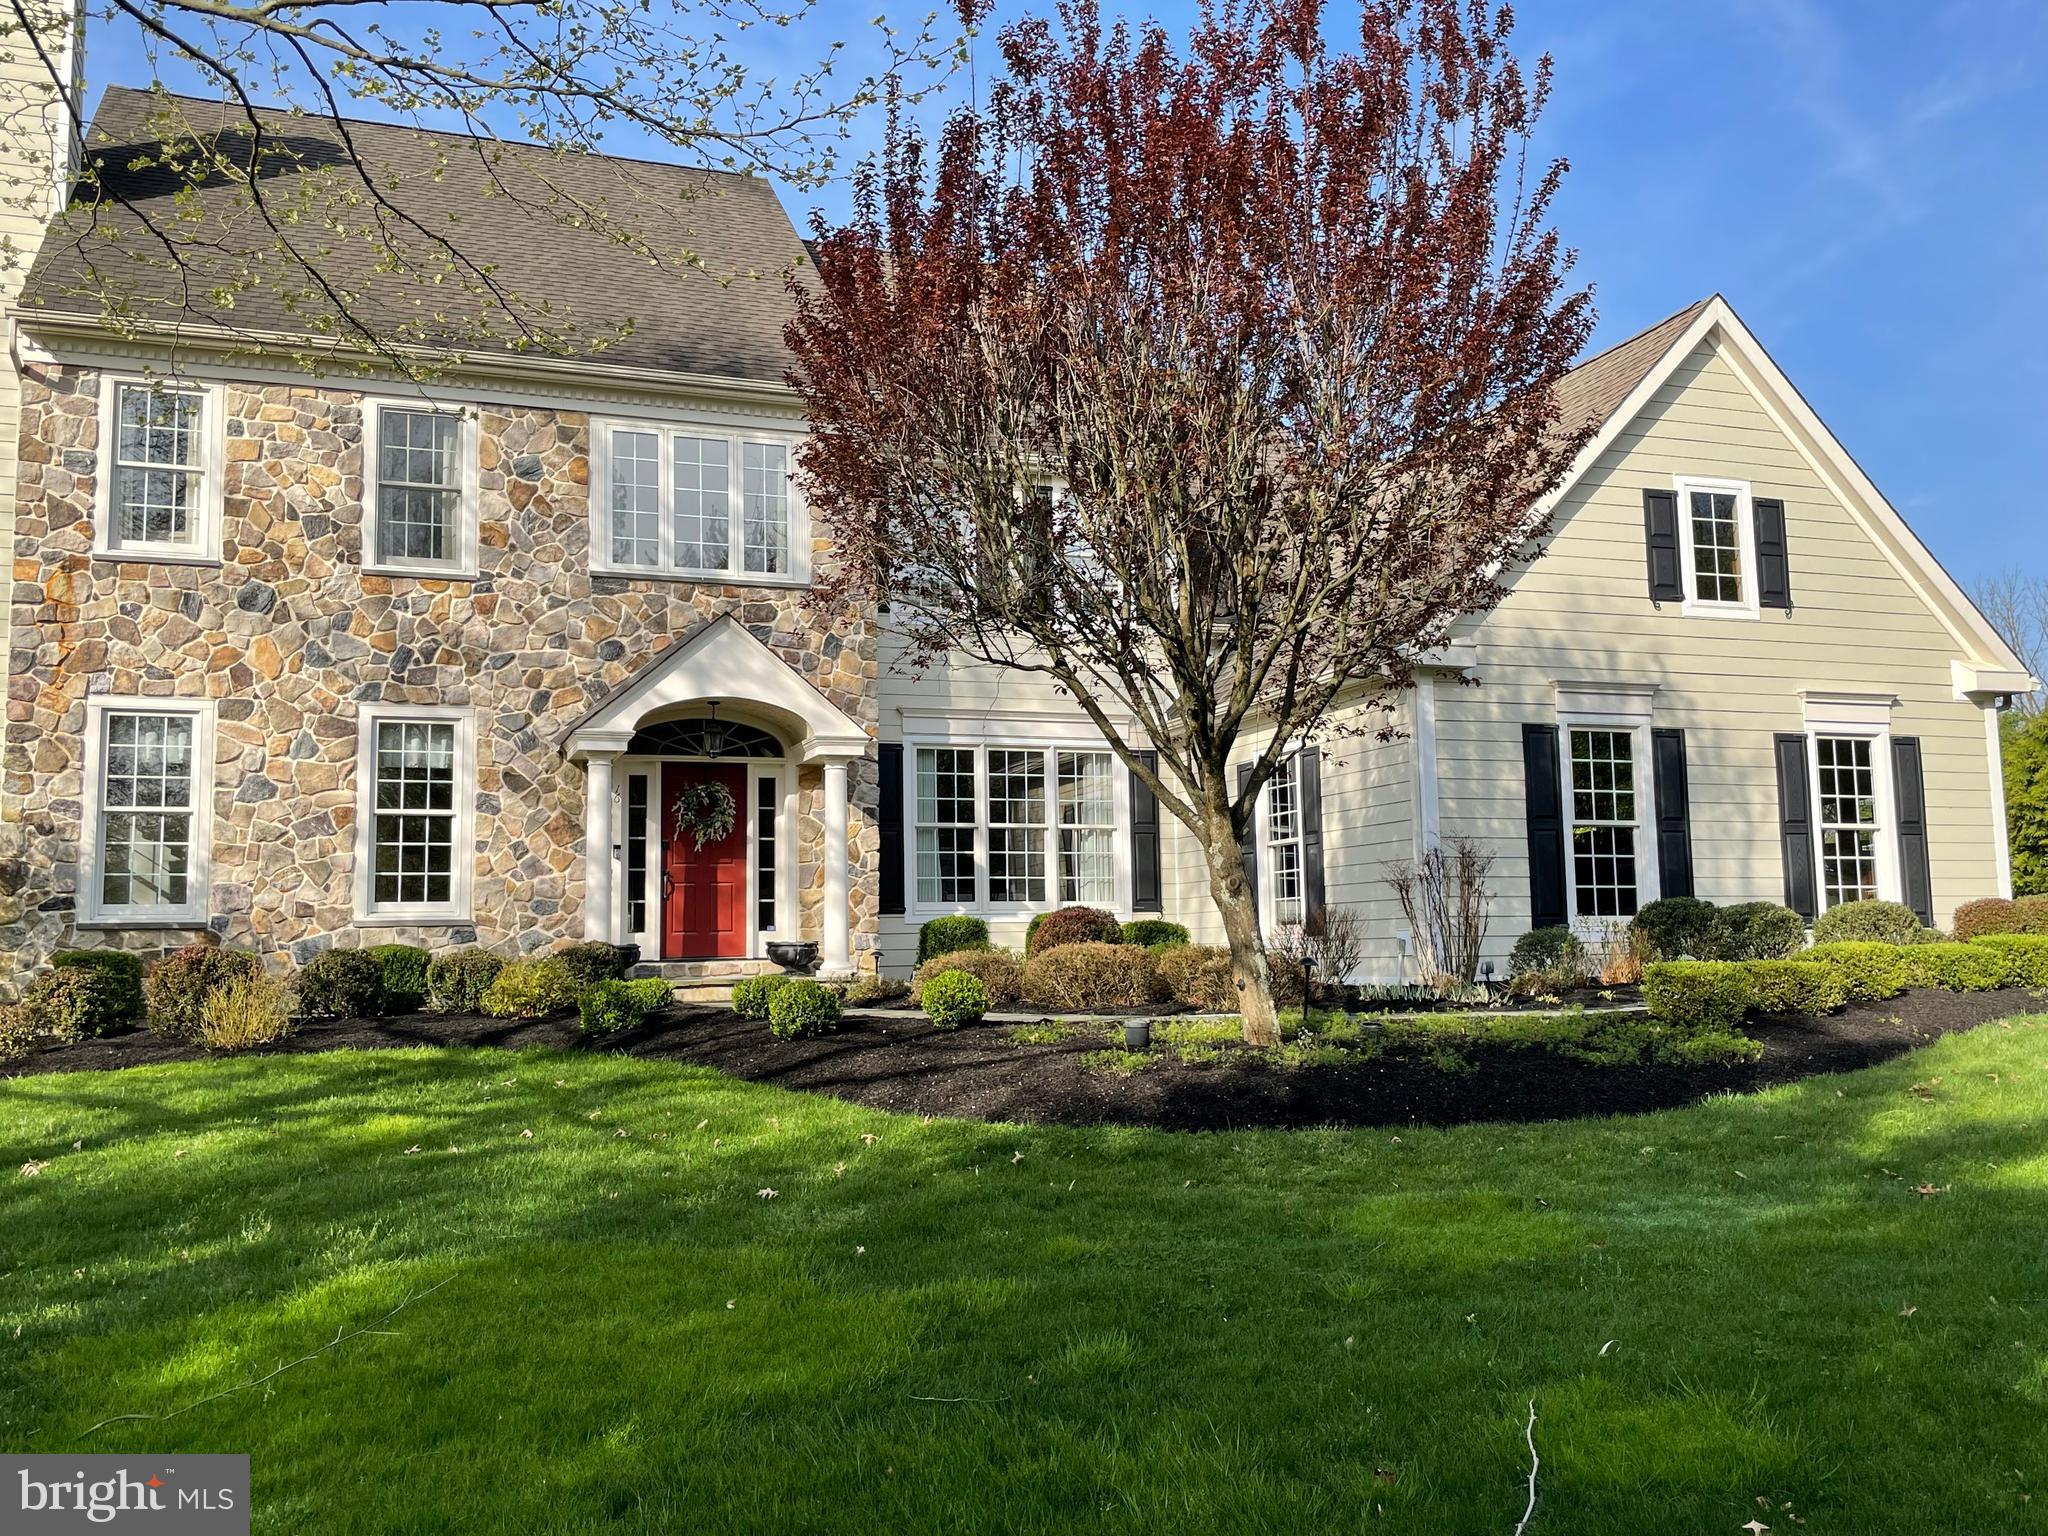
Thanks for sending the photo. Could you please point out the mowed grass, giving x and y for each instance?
(965, 1327)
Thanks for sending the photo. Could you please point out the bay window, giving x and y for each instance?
(1015, 828)
(667, 504)
(149, 786)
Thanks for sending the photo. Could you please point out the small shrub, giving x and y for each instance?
(531, 988)
(943, 935)
(1796, 986)
(593, 961)
(244, 1012)
(868, 991)
(1676, 928)
(803, 1007)
(458, 980)
(342, 984)
(1000, 973)
(1199, 976)
(751, 997)
(1708, 1048)
(1154, 933)
(1697, 996)
(74, 1002)
(1552, 953)
(1089, 976)
(654, 993)
(1118, 1063)
(179, 983)
(1958, 967)
(953, 998)
(123, 973)
(403, 969)
(2026, 956)
(606, 1007)
(1071, 925)
(1994, 914)
(17, 1032)
(1867, 922)
(1755, 930)
(1871, 971)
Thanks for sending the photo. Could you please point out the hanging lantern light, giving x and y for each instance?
(714, 734)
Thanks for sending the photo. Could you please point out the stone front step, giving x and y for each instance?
(705, 981)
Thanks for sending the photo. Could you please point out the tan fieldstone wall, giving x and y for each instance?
(289, 636)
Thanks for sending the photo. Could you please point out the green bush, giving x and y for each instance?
(943, 935)
(1993, 914)
(1676, 928)
(1070, 925)
(1091, 975)
(1199, 976)
(953, 998)
(403, 970)
(342, 984)
(1958, 967)
(179, 983)
(1708, 1048)
(1154, 933)
(867, 991)
(1697, 996)
(606, 1007)
(74, 1002)
(592, 961)
(458, 980)
(2026, 956)
(18, 1032)
(1796, 986)
(803, 1007)
(1000, 973)
(123, 973)
(1553, 953)
(751, 997)
(1868, 922)
(1755, 930)
(531, 988)
(654, 993)
(1871, 971)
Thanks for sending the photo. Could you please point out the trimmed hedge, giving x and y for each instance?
(1796, 986)
(1090, 975)
(1755, 930)
(1199, 976)
(1957, 967)
(74, 1002)
(1705, 996)
(606, 1007)
(953, 998)
(593, 960)
(804, 1007)
(1676, 928)
(944, 935)
(404, 969)
(1154, 933)
(458, 980)
(2026, 956)
(751, 997)
(342, 984)
(1871, 971)
(123, 979)
(179, 983)
(1879, 922)
(531, 988)
(1000, 973)
(2028, 915)
(1070, 925)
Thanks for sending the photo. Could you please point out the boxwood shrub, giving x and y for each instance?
(1091, 975)
(606, 1007)
(1675, 928)
(1871, 922)
(593, 960)
(458, 980)
(178, 984)
(1795, 986)
(531, 988)
(1071, 925)
(953, 998)
(74, 1002)
(122, 973)
(1000, 973)
(403, 968)
(1958, 967)
(342, 984)
(1554, 954)
(751, 997)
(1199, 976)
(1154, 933)
(803, 1007)
(2026, 956)
(1755, 930)
(1698, 995)
(1871, 971)
(944, 935)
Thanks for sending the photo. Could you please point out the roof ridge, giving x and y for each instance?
(1615, 346)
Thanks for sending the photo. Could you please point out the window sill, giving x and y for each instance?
(105, 920)
(155, 557)
(424, 572)
(1695, 610)
(700, 578)
(438, 918)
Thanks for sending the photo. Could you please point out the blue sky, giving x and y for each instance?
(1865, 180)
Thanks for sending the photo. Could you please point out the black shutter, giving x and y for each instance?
(1910, 787)
(1674, 812)
(1773, 567)
(1147, 893)
(1308, 785)
(1248, 845)
(1544, 802)
(890, 816)
(1795, 824)
(1660, 541)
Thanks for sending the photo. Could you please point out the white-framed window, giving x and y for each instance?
(1609, 807)
(415, 813)
(1016, 828)
(420, 507)
(148, 811)
(1281, 866)
(695, 501)
(159, 490)
(1855, 841)
(1717, 547)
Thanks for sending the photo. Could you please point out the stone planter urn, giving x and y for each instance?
(799, 955)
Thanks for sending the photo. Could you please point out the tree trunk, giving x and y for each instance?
(1238, 904)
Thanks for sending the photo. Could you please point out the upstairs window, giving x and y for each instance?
(690, 503)
(159, 497)
(1717, 532)
(422, 504)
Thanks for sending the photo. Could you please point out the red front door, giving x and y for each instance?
(703, 890)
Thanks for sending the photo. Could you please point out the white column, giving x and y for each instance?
(597, 846)
(835, 958)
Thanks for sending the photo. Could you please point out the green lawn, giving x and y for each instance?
(963, 1327)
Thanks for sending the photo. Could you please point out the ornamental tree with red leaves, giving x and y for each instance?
(1212, 383)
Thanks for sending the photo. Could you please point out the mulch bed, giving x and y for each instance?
(981, 1073)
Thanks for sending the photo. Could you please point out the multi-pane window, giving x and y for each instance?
(945, 826)
(766, 797)
(148, 805)
(1016, 827)
(1087, 829)
(1716, 547)
(159, 479)
(1604, 822)
(413, 813)
(419, 486)
(694, 503)
(1848, 819)
(1283, 842)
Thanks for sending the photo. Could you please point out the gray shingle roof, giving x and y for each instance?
(720, 313)
(1594, 389)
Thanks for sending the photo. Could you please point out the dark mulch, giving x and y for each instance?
(980, 1072)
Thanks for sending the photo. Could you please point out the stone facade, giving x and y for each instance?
(289, 635)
